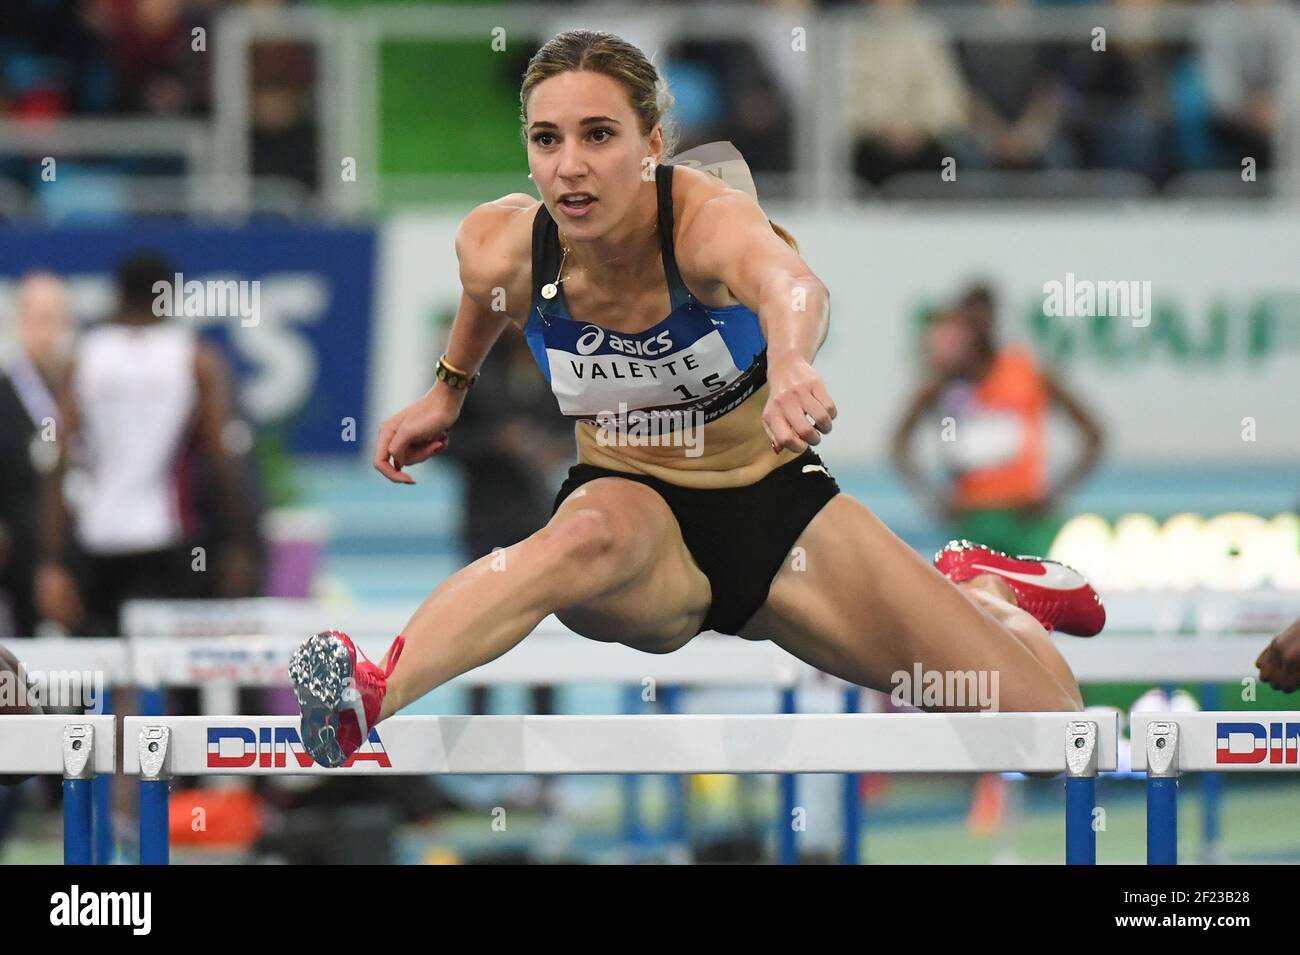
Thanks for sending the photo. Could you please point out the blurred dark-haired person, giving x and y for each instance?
(29, 381)
(1247, 59)
(1017, 99)
(993, 402)
(141, 385)
(907, 100)
(1279, 664)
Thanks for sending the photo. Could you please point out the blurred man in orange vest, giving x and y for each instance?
(993, 402)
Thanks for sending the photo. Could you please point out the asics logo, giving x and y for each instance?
(1055, 576)
(590, 339)
(593, 335)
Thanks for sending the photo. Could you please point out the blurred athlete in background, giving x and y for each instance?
(141, 387)
(993, 402)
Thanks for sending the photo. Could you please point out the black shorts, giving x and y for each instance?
(738, 535)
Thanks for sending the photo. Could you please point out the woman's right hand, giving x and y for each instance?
(417, 433)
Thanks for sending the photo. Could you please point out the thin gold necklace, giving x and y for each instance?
(551, 289)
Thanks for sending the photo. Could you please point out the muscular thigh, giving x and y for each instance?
(862, 605)
(661, 605)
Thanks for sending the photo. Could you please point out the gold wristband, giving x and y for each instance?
(453, 376)
(452, 368)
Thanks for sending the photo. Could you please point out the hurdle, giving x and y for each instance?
(1147, 641)
(108, 657)
(156, 749)
(1228, 741)
(1148, 648)
(82, 749)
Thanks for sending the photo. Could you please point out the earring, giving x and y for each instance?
(530, 175)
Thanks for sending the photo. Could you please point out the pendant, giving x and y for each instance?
(549, 290)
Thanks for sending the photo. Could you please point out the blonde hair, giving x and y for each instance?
(612, 56)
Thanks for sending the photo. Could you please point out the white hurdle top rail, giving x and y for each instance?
(1124, 658)
(34, 744)
(110, 656)
(542, 658)
(557, 656)
(786, 743)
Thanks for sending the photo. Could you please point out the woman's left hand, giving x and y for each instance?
(796, 393)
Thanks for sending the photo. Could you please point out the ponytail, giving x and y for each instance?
(789, 239)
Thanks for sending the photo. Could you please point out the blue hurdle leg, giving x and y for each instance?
(678, 796)
(1162, 820)
(1080, 792)
(102, 843)
(786, 841)
(102, 788)
(633, 832)
(77, 805)
(1080, 837)
(153, 744)
(155, 845)
(1162, 741)
(1211, 789)
(852, 852)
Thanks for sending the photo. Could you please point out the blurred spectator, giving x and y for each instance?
(54, 58)
(29, 381)
(907, 95)
(150, 45)
(285, 136)
(1245, 62)
(1016, 104)
(240, 548)
(139, 386)
(510, 444)
(94, 56)
(1118, 101)
(994, 402)
(725, 91)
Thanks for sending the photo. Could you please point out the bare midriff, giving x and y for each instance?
(730, 451)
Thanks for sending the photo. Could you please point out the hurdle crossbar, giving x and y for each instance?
(799, 743)
(1079, 744)
(1228, 741)
(33, 745)
(81, 749)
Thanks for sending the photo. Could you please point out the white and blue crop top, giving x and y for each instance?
(697, 361)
